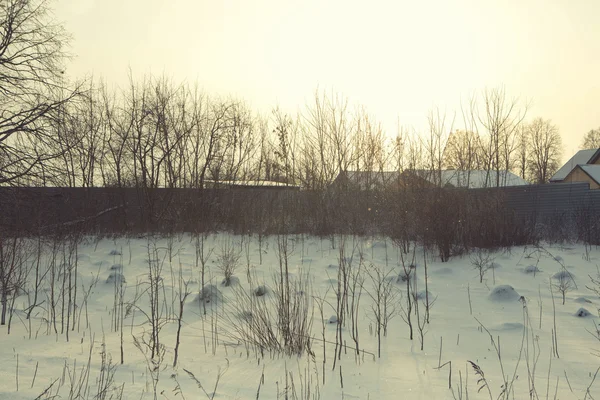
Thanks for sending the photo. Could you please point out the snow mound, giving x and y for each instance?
(233, 281)
(422, 295)
(261, 291)
(531, 269)
(558, 259)
(583, 313)
(332, 320)
(209, 294)
(116, 277)
(114, 252)
(582, 300)
(563, 275)
(504, 293)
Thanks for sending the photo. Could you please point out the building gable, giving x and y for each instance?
(588, 156)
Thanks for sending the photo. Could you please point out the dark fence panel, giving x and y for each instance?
(553, 209)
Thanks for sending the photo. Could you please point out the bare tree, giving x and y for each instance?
(462, 153)
(545, 149)
(523, 151)
(435, 144)
(591, 140)
(284, 148)
(500, 118)
(327, 146)
(32, 85)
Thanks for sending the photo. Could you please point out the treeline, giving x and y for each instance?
(157, 133)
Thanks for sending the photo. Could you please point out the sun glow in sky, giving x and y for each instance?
(398, 59)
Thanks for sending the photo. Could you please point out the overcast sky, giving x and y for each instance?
(397, 58)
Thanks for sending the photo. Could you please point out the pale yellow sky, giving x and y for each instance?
(397, 58)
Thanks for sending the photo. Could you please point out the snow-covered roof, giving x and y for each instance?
(593, 171)
(250, 183)
(473, 179)
(582, 157)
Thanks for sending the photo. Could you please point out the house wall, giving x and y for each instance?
(577, 175)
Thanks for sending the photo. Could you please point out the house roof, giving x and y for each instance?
(367, 180)
(474, 179)
(251, 183)
(593, 171)
(582, 157)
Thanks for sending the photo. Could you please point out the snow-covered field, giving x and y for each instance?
(521, 333)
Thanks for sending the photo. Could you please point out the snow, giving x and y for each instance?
(506, 303)
(504, 293)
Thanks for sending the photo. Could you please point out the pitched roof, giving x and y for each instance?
(581, 157)
(474, 179)
(367, 180)
(593, 172)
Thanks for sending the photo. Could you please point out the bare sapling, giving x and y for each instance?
(52, 296)
(482, 261)
(227, 260)
(427, 303)
(70, 277)
(406, 276)
(202, 257)
(321, 304)
(420, 325)
(38, 279)
(564, 284)
(421, 319)
(118, 311)
(384, 300)
(87, 291)
(563, 268)
(153, 288)
(246, 241)
(284, 251)
(356, 287)
(182, 293)
(74, 241)
(554, 331)
(14, 270)
(595, 282)
(532, 350)
(341, 292)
